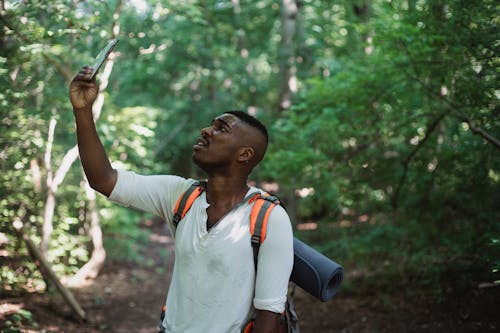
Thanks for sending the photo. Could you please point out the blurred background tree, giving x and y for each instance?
(383, 115)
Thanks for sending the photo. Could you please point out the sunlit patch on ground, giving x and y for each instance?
(160, 239)
(9, 308)
(345, 224)
(15, 318)
(307, 226)
(272, 187)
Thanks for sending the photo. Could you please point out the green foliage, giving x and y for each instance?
(15, 322)
(388, 140)
(191, 62)
(42, 46)
(390, 133)
(123, 238)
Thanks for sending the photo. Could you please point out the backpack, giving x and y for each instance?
(263, 203)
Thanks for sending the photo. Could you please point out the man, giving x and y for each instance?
(214, 286)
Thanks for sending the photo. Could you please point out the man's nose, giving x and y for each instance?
(207, 131)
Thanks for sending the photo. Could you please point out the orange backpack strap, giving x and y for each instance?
(264, 204)
(186, 200)
(262, 207)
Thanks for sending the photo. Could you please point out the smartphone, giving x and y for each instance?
(102, 56)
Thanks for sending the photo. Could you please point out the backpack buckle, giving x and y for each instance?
(270, 198)
(176, 219)
(255, 240)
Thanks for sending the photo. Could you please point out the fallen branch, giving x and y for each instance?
(48, 273)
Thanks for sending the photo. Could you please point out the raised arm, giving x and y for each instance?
(101, 176)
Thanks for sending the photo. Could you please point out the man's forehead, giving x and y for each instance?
(250, 135)
(228, 118)
(236, 123)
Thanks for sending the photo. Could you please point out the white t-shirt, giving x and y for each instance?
(213, 280)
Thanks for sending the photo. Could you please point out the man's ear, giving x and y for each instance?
(246, 154)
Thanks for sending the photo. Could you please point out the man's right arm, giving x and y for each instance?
(100, 174)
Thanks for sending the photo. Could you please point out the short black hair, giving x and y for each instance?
(250, 120)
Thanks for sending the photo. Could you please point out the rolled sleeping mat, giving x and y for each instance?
(314, 272)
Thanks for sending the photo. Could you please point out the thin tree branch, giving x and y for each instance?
(68, 159)
(10, 26)
(454, 108)
(478, 130)
(430, 129)
(65, 71)
(48, 151)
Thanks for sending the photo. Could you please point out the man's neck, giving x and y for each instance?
(226, 191)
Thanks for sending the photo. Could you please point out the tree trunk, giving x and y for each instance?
(288, 80)
(240, 33)
(411, 6)
(50, 201)
(286, 54)
(52, 188)
(358, 12)
(92, 268)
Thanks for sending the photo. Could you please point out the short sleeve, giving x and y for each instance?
(156, 194)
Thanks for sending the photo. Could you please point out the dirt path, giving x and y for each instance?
(126, 298)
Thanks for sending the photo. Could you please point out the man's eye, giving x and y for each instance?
(220, 128)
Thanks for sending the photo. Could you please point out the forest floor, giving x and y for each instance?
(127, 298)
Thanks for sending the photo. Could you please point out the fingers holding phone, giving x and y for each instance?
(83, 89)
